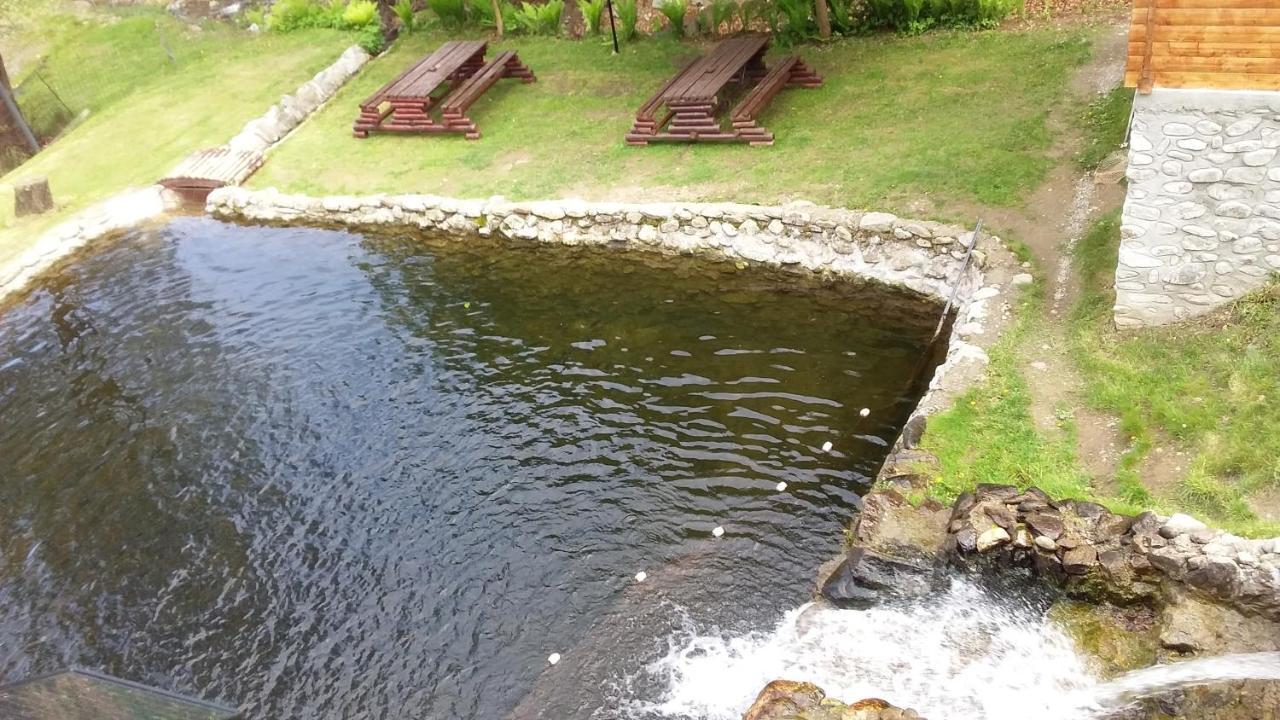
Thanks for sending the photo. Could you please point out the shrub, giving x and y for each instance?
(482, 14)
(717, 13)
(674, 11)
(592, 12)
(290, 15)
(408, 19)
(628, 16)
(370, 38)
(540, 19)
(750, 11)
(359, 13)
(791, 21)
(844, 20)
(452, 13)
(915, 16)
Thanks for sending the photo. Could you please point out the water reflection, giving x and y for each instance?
(332, 476)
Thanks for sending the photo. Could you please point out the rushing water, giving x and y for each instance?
(329, 476)
(965, 654)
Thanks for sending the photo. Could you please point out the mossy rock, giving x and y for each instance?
(1120, 639)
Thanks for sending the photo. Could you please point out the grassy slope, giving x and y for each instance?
(989, 435)
(1208, 386)
(144, 124)
(951, 117)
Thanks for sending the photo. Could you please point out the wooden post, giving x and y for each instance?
(14, 112)
(820, 13)
(1145, 79)
(32, 197)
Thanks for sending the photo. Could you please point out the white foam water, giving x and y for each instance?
(965, 654)
(1138, 684)
(962, 655)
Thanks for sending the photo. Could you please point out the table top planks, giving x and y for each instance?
(710, 73)
(422, 78)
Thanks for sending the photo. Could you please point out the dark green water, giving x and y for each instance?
(321, 475)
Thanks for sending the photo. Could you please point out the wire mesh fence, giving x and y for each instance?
(81, 78)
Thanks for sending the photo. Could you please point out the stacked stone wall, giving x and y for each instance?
(1201, 224)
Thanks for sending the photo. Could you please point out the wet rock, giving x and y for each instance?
(1079, 560)
(791, 700)
(896, 552)
(1180, 524)
(784, 699)
(1049, 526)
(866, 577)
(1215, 576)
(991, 538)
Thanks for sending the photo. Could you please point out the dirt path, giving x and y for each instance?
(1054, 219)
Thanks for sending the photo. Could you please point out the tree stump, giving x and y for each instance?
(32, 197)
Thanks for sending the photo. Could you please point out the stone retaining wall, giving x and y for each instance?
(923, 256)
(118, 213)
(1201, 224)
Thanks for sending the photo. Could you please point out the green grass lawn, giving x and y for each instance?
(1208, 387)
(142, 124)
(943, 118)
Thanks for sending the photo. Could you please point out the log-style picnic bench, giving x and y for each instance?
(452, 78)
(694, 95)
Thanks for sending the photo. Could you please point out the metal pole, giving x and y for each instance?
(613, 28)
(14, 112)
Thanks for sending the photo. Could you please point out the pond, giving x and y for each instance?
(325, 475)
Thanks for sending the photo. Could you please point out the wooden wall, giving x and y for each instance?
(1222, 44)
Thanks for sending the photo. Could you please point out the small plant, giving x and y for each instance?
(540, 19)
(843, 18)
(359, 14)
(791, 21)
(452, 13)
(370, 38)
(592, 13)
(408, 18)
(482, 14)
(628, 16)
(256, 16)
(674, 11)
(749, 11)
(717, 13)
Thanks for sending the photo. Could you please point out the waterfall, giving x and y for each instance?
(965, 654)
(1134, 686)
(961, 655)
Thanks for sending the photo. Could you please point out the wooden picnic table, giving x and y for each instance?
(694, 95)
(453, 77)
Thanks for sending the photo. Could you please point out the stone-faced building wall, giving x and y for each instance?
(1201, 222)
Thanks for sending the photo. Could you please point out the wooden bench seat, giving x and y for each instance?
(744, 115)
(646, 123)
(405, 103)
(454, 114)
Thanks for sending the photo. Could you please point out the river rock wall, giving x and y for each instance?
(925, 257)
(1201, 223)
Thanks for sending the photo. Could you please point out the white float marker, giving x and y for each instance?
(718, 531)
(782, 486)
(826, 446)
(553, 658)
(864, 412)
(640, 576)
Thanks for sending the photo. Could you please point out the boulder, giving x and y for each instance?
(792, 700)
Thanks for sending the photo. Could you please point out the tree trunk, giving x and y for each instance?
(820, 13)
(388, 20)
(11, 118)
(32, 197)
(497, 17)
